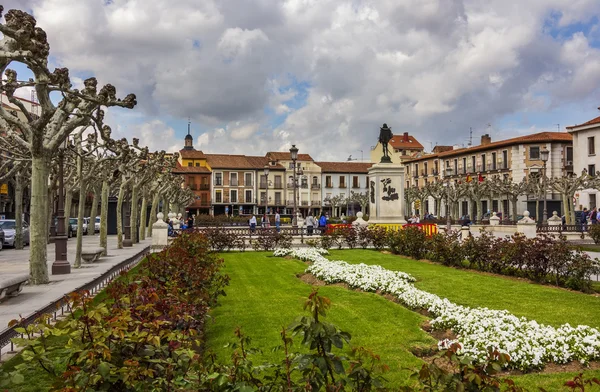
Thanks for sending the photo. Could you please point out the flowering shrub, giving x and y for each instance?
(144, 336)
(269, 239)
(527, 343)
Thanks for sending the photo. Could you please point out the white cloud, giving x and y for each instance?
(430, 67)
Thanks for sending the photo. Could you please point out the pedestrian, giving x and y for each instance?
(190, 222)
(594, 216)
(322, 223)
(253, 224)
(265, 221)
(584, 216)
(310, 224)
(277, 221)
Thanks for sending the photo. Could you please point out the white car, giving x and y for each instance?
(97, 225)
(8, 226)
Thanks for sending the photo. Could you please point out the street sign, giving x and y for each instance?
(3, 189)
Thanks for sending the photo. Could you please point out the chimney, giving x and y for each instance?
(405, 137)
(486, 139)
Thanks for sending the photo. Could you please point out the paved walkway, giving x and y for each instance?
(33, 298)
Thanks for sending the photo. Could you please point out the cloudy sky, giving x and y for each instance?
(259, 75)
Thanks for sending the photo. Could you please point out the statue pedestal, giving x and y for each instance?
(386, 193)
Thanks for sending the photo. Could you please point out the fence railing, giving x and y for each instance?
(62, 305)
(578, 228)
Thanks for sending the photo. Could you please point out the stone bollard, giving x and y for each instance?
(494, 220)
(359, 222)
(465, 232)
(555, 220)
(160, 232)
(527, 226)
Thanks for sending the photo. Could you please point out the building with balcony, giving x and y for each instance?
(516, 158)
(584, 158)
(193, 166)
(400, 147)
(343, 178)
(237, 181)
(308, 182)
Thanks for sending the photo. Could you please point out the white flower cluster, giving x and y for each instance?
(304, 254)
(529, 344)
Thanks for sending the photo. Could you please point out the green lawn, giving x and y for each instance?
(544, 304)
(264, 295)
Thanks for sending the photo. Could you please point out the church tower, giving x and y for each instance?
(189, 140)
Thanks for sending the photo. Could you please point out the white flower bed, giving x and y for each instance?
(529, 344)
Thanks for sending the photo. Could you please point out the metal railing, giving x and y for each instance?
(62, 305)
(577, 228)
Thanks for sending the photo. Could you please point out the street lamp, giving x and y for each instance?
(448, 222)
(294, 155)
(61, 265)
(544, 155)
(266, 169)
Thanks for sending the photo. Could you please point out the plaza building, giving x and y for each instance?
(341, 179)
(585, 158)
(516, 158)
(401, 148)
(193, 166)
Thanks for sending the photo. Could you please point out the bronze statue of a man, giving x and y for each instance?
(385, 135)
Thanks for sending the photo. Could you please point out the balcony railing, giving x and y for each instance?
(193, 187)
(278, 186)
(315, 203)
(342, 185)
(315, 186)
(304, 186)
(355, 186)
(328, 185)
(263, 185)
(204, 187)
(304, 202)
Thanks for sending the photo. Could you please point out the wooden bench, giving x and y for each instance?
(12, 284)
(91, 255)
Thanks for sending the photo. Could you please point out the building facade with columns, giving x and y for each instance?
(586, 157)
(515, 159)
(343, 178)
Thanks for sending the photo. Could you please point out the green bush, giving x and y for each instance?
(594, 232)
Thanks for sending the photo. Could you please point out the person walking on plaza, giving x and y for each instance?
(594, 216)
(253, 224)
(322, 223)
(277, 221)
(584, 216)
(265, 221)
(310, 224)
(190, 222)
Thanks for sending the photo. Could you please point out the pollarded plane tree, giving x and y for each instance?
(513, 191)
(335, 202)
(24, 42)
(567, 186)
(477, 191)
(360, 198)
(129, 167)
(437, 193)
(455, 192)
(410, 196)
(159, 188)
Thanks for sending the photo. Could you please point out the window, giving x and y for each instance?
(263, 181)
(505, 159)
(278, 198)
(248, 196)
(473, 164)
(278, 184)
(416, 169)
(355, 182)
(592, 170)
(591, 145)
(233, 179)
(494, 161)
(248, 179)
(534, 153)
(328, 183)
(592, 201)
(367, 182)
(233, 195)
(569, 155)
(425, 169)
(190, 164)
(218, 178)
(342, 181)
(464, 165)
(197, 164)
(263, 196)
(483, 162)
(291, 166)
(435, 170)
(218, 196)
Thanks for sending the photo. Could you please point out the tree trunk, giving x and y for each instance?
(68, 205)
(19, 211)
(514, 208)
(537, 209)
(49, 211)
(104, 217)
(134, 214)
(80, 212)
(566, 210)
(120, 216)
(153, 213)
(93, 213)
(142, 230)
(39, 220)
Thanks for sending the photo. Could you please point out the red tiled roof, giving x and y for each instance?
(591, 122)
(287, 156)
(226, 161)
(399, 142)
(542, 137)
(344, 167)
(191, 154)
(190, 169)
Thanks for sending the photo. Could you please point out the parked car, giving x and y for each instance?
(97, 225)
(71, 230)
(86, 222)
(1, 238)
(10, 232)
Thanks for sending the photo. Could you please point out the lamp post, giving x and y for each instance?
(266, 169)
(61, 265)
(544, 154)
(294, 154)
(448, 222)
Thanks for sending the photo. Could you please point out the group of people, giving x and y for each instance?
(589, 215)
(311, 222)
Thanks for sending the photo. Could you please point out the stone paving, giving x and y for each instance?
(33, 298)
